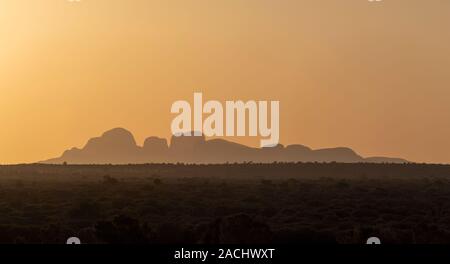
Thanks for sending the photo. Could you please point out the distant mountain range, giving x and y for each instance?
(118, 146)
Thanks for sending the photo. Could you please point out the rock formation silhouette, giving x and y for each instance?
(118, 146)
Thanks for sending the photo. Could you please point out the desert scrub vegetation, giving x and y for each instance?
(230, 203)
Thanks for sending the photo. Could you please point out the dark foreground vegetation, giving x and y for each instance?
(248, 203)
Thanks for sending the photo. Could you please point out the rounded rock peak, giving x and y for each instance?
(119, 135)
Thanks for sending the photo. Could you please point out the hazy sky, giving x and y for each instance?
(371, 76)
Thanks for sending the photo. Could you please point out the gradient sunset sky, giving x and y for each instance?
(371, 76)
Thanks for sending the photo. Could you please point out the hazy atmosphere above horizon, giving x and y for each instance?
(374, 77)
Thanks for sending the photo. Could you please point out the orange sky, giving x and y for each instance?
(371, 76)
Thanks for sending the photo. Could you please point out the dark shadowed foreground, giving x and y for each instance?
(248, 203)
